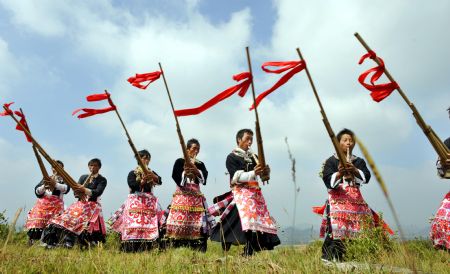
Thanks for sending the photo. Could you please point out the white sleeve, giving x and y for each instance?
(241, 176)
(334, 182)
(40, 190)
(186, 180)
(440, 169)
(61, 187)
(363, 178)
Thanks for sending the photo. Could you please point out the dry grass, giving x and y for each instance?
(371, 257)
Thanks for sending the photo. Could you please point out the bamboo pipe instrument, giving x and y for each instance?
(66, 177)
(442, 151)
(265, 177)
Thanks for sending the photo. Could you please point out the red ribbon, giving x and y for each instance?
(241, 88)
(140, 78)
(319, 209)
(293, 67)
(23, 121)
(87, 112)
(7, 111)
(378, 91)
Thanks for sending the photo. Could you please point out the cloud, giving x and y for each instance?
(8, 71)
(45, 18)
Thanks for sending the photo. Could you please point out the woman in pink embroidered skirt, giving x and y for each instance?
(188, 222)
(244, 217)
(440, 226)
(137, 220)
(81, 222)
(345, 213)
(49, 204)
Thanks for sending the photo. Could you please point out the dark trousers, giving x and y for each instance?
(333, 249)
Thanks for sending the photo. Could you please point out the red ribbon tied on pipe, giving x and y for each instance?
(141, 78)
(378, 91)
(293, 67)
(240, 88)
(87, 112)
(7, 111)
(23, 121)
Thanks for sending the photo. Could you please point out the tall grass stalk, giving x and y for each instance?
(383, 186)
(296, 188)
(12, 228)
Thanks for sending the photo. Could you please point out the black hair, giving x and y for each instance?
(60, 163)
(144, 154)
(345, 131)
(191, 142)
(240, 134)
(95, 161)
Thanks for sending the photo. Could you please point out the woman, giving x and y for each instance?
(83, 221)
(345, 213)
(244, 216)
(137, 219)
(188, 222)
(440, 226)
(49, 204)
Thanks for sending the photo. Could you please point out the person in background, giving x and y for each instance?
(49, 204)
(81, 222)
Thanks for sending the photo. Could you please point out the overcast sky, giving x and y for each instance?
(54, 53)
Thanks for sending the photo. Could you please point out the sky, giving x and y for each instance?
(55, 53)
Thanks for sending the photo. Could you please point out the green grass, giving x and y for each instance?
(19, 258)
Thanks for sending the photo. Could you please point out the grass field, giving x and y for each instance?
(366, 257)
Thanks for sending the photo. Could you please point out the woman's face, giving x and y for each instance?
(193, 150)
(347, 143)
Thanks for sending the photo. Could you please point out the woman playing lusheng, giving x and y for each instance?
(83, 221)
(244, 217)
(189, 222)
(137, 219)
(49, 204)
(345, 213)
(440, 226)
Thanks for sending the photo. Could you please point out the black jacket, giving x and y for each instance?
(136, 186)
(97, 186)
(178, 168)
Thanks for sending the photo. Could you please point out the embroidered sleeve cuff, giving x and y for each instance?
(363, 178)
(334, 182)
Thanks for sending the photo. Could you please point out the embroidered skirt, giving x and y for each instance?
(44, 209)
(137, 219)
(252, 210)
(440, 226)
(81, 216)
(346, 214)
(229, 229)
(188, 218)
